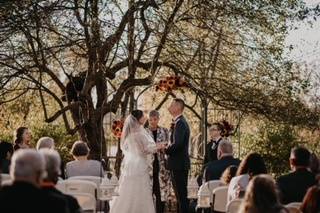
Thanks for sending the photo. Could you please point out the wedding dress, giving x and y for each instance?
(135, 185)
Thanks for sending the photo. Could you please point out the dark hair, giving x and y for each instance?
(253, 164)
(80, 148)
(311, 201)
(261, 196)
(301, 156)
(5, 147)
(228, 174)
(137, 114)
(218, 125)
(180, 102)
(19, 135)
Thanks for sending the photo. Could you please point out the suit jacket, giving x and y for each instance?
(214, 169)
(294, 185)
(178, 150)
(211, 152)
(25, 197)
(72, 203)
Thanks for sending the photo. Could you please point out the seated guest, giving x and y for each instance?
(22, 138)
(6, 151)
(214, 169)
(228, 174)
(252, 165)
(25, 195)
(294, 185)
(45, 142)
(81, 166)
(52, 164)
(261, 197)
(311, 201)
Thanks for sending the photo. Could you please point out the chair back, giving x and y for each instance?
(86, 201)
(294, 204)
(94, 179)
(212, 184)
(234, 206)
(5, 177)
(77, 186)
(220, 195)
(293, 207)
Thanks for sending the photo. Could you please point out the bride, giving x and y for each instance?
(135, 189)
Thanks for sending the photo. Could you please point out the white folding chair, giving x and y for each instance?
(61, 186)
(294, 207)
(6, 182)
(86, 201)
(220, 195)
(77, 186)
(234, 205)
(5, 177)
(94, 179)
(211, 185)
(294, 204)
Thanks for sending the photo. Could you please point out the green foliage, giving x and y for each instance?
(63, 141)
(274, 142)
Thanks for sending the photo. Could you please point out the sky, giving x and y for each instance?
(305, 40)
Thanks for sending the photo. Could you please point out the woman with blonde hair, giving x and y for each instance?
(261, 196)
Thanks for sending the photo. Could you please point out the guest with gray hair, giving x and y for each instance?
(52, 165)
(45, 142)
(24, 195)
(82, 166)
(214, 169)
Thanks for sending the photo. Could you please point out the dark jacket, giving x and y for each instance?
(72, 203)
(214, 169)
(293, 186)
(25, 197)
(178, 150)
(211, 151)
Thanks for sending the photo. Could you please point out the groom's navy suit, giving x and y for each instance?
(179, 162)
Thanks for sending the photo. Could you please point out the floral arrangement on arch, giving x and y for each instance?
(170, 83)
(117, 126)
(228, 128)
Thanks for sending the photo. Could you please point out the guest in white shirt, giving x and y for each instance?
(81, 166)
(252, 165)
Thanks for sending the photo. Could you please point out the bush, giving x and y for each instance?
(63, 141)
(274, 142)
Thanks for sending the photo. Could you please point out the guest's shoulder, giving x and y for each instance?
(284, 177)
(94, 162)
(70, 163)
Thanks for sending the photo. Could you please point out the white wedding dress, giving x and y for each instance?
(135, 189)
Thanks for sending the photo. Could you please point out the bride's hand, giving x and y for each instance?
(161, 146)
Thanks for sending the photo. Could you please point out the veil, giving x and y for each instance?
(130, 126)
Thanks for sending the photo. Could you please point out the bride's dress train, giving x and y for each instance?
(135, 189)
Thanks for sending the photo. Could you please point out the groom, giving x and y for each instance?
(178, 156)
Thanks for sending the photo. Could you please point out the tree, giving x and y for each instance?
(89, 55)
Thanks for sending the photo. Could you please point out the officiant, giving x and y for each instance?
(161, 176)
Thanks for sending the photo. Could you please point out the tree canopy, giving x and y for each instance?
(87, 56)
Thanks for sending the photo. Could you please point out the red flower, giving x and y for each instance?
(117, 127)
